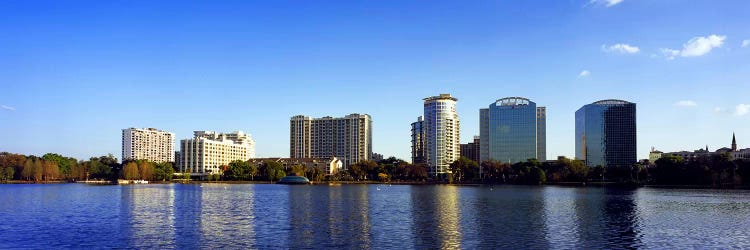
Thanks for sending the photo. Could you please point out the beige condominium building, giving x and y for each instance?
(147, 144)
(207, 152)
(347, 138)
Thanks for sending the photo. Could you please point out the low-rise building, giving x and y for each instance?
(700, 153)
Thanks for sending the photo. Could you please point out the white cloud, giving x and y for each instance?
(696, 46)
(686, 103)
(621, 48)
(670, 53)
(718, 109)
(608, 3)
(745, 43)
(7, 108)
(742, 109)
(584, 73)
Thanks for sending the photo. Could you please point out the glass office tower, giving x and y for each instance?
(606, 134)
(512, 130)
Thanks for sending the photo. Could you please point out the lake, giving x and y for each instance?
(269, 216)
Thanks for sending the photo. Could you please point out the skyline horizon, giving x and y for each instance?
(408, 159)
(74, 74)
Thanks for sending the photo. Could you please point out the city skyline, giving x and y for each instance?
(68, 85)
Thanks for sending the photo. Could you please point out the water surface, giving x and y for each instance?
(369, 216)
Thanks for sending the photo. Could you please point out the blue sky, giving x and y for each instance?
(74, 73)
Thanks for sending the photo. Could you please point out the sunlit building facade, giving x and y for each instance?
(513, 129)
(441, 128)
(348, 138)
(606, 133)
(207, 152)
(147, 144)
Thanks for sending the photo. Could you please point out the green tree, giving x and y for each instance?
(163, 171)
(418, 172)
(238, 170)
(298, 170)
(464, 169)
(272, 171)
(536, 176)
(64, 164)
(669, 169)
(6, 173)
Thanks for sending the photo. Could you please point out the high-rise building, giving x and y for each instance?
(606, 134)
(418, 153)
(207, 152)
(147, 144)
(513, 129)
(377, 157)
(441, 131)
(471, 150)
(347, 138)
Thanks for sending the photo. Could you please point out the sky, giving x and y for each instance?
(73, 74)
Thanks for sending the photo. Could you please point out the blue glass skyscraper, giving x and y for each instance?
(512, 130)
(606, 134)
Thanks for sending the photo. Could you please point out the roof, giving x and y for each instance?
(611, 102)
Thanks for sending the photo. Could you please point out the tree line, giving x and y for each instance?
(55, 167)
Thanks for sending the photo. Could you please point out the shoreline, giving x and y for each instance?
(475, 184)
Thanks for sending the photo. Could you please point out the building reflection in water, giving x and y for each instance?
(511, 217)
(301, 215)
(187, 207)
(607, 217)
(435, 217)
(390, 212)
(227, 215)
(448, 217)
(146, 213)
(559, 216)
(329, 217)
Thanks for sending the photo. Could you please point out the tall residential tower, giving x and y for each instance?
(147, 144)
(606, 134)
(441, 131)
(346, 138)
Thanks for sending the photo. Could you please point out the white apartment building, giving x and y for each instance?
(441, 131)
(346, 138)
(147, 144)
(207, 152)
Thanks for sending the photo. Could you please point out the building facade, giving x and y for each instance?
(147, 144)
(418, 153)
(441, 131)
(377, 157)
(606, 133)
(513, 129)
(207, 152)
(471, 150)
(348, 138)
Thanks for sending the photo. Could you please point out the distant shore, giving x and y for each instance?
(561, 184)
